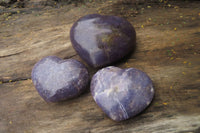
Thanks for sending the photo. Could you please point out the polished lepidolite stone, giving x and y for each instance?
(101, 40)
(57, 80)
(121, 93)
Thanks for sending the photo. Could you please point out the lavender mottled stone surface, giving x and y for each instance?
(121, 93)
(101, 40)
(57, 80)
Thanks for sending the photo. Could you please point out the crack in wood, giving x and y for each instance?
(69, 57)
(11, 54)
(14, 80)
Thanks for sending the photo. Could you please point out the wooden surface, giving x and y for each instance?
(168, 50)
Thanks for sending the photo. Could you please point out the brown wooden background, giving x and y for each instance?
(168, 50)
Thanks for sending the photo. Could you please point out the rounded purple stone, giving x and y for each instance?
(121, 93)
(57, 80)
(101, 40)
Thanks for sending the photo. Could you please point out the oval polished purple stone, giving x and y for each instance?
(57, 80)
(121, 93)
(101, 40)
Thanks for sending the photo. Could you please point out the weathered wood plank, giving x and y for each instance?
(173, 110)
(168, 51)
(48, 31)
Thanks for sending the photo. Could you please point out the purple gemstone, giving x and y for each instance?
(57, 80)
(102, 40)
(121, 93)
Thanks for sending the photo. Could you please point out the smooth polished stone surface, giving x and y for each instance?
(101, 40)
(57, 80)
(121, 93)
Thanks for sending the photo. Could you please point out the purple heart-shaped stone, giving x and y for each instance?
(121, 93)
(57, 80)
(101, 40)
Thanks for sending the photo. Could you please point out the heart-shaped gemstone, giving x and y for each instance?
(101, 40)
(57, 80)
(121, 93)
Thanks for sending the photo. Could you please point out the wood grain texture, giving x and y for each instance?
(168, 50)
